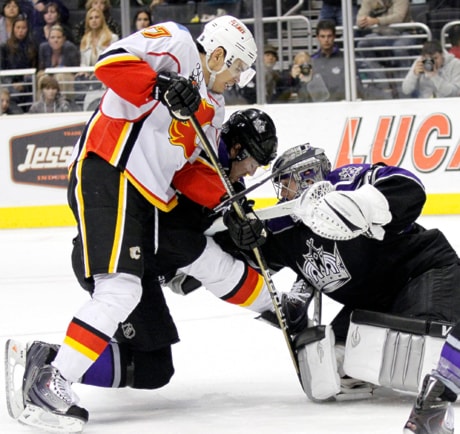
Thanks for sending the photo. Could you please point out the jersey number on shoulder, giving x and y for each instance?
(156, 32)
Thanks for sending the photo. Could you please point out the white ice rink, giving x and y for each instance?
(233, 374)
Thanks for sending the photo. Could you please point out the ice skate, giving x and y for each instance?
(432, 412)
(295, 306)
(49, 402)
(21, 365)
(15, 362)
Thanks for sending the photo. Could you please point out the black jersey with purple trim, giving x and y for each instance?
(364, 273)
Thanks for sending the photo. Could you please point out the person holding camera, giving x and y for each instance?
(435, 74)
(295, 80)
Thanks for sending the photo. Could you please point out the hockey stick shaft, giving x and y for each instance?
(244, 192)
(257, 253)
(279, 210)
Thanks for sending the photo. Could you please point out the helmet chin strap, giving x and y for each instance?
(213, 74)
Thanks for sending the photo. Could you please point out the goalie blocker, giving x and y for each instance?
(381, 349)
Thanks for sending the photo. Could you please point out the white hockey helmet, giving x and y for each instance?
(235, 38)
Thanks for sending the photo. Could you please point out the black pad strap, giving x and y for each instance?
(438, 329)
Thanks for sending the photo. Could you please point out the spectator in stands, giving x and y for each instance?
(272, 79)
(328, 61)
(34, 11)
(142, 19)
(435, 74)
(105, 7)
(454, 38)
(10, 10)
(374, 18)
(97, 37)
(51, 17)
(294, 82)
(57, 51)
(8, 107)
(332, 10)
(51, 100)
(19, 52)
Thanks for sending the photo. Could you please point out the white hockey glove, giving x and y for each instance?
(344, 215)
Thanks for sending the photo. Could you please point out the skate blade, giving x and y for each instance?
(37, 417)
(15, 361)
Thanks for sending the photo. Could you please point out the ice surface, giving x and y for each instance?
(233, 374)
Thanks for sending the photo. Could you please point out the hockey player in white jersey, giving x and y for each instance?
(120, 177)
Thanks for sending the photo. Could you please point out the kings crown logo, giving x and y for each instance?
(326, 271)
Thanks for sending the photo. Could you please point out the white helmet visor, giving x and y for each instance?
(242, 72)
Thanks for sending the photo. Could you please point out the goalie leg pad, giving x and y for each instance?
(317, 363)
(392, 351)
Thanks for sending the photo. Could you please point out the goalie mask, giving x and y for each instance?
(255, 131)
(240, 48)
(305, 165)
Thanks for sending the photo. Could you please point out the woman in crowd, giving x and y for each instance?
(51, 17)
(105, 7)
(97, 37)
(20, 52)
(57, 51)
(142, 19)
(10, 11)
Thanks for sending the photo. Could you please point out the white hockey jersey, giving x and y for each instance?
(135, 132)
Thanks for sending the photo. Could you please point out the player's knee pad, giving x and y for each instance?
(317, 363)
(118, 293)
(393, 351)
(151, 370)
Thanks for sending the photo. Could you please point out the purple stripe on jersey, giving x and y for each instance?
(101, 371)
(449, 364)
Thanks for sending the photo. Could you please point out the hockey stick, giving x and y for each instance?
(279, 210)
(257, 253)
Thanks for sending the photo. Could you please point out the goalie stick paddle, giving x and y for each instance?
(257, 253)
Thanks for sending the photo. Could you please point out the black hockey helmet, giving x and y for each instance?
(304, 164)
(255, 131)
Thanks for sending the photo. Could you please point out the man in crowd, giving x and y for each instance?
(328, 61)
(434, 74)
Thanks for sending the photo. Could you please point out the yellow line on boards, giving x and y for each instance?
(61, 215)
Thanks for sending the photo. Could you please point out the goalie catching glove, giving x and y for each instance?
(181, 95)
(344, 215)
(248, 233)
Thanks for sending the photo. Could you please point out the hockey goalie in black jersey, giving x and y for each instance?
(353, 236)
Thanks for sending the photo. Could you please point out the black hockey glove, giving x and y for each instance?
(181, 95)
(246, 234)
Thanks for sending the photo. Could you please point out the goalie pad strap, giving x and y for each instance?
(317, 363)
(437, 329)
(392, 351)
